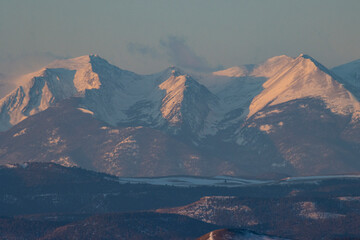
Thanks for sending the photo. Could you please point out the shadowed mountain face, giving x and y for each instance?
(286, 116)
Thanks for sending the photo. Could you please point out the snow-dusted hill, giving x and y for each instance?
(286, 115)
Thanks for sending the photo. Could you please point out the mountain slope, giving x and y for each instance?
(69, 136)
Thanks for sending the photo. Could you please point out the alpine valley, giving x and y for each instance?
(284, 117)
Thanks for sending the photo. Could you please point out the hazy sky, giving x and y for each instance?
(148, 36)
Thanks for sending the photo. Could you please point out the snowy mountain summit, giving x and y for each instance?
(286, 115)
(40, 90)
(304, 77)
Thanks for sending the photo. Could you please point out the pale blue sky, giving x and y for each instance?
(147, 36)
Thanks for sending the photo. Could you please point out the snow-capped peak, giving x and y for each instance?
(185, 99)
(39, 90)
(305, 77)
(85, 76)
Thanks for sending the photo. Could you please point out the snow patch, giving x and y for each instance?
(8, 165)
(21, 132)
(114, 131)
(349, 198)
(53, 141)
(208, 208)
(265, 114)
(309, 210)
(86, 111)
(65, 161)
(266, 128)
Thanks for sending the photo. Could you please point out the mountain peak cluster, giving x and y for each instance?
(288, 116)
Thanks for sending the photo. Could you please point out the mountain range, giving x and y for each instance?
(287, 116)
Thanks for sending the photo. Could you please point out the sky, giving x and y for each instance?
(200, 35)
